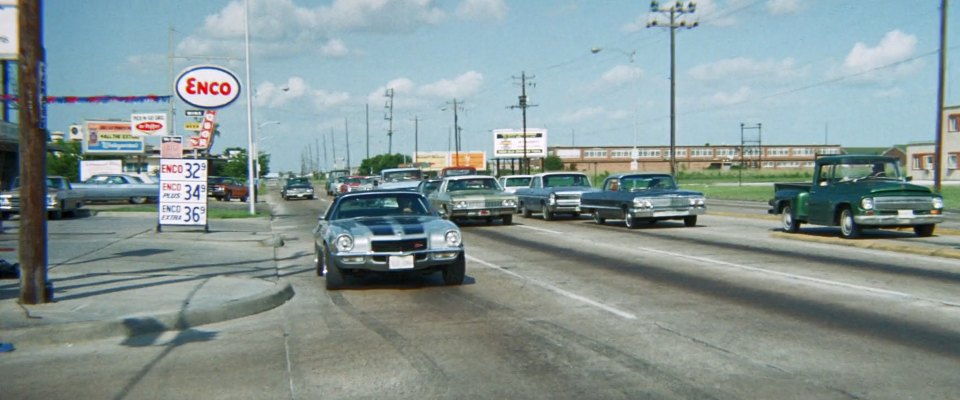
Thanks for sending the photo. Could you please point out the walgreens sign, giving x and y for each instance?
(208, 87)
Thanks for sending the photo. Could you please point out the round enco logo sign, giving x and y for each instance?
(208, 86)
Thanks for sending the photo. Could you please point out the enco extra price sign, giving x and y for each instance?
(183, 192)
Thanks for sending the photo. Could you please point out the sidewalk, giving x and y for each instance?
(130, 280)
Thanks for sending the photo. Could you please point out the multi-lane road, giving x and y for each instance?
(729, 309)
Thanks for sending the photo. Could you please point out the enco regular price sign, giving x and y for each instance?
(183, 192)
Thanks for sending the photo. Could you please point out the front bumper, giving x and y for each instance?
(299, 195)
(381, 262)
(898, 219)
(483, 212)
(667, 213)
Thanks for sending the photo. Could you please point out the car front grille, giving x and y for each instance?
(396, 246)
(484, 203)
(671, 202)
(893, 203)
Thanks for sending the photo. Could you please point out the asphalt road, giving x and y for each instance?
(569, 309)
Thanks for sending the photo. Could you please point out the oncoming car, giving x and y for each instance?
(385, 232)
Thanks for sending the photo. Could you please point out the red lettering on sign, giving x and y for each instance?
(149, 126)
(196, 87)
(172, 169)
(171, 186)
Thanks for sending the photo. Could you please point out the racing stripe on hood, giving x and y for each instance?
(389, 226)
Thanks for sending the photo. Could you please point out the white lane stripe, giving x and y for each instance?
(547, 286)
(539, 229)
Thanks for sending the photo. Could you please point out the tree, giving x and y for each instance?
(383, 161)
(65, 162)
(553, 163)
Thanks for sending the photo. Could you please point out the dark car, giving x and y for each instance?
(297, 188)
(649, 197)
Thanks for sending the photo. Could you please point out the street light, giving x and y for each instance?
(635, 153)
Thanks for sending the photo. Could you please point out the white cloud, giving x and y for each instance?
(742, 68)
(894, 47)
(725, 98)
(462, 86)
(407, 94)
(621, 74)
(783, 7)
(334, 48)
(482, 9)
(297, 91)
(582, 114)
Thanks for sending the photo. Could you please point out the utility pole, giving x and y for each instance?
(456, 132)
(523, 105)
(326, 161)
(416, 137)
(675, 12)
(938, 147)
(368, 130)
(33, 149)
(389, 118)
(346, 134)
(333, 148)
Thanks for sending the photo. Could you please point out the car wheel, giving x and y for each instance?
(690, 221)
(5, 216)
(630, 221)
(56, 214)
(228, 196)
(243, 199)
(848, 227)
(446, 213)
(547, 215)
(525, 212)
(597, 218)
(334, 274)
(318, 260)
(924, 230)
(138, 200)
(789, 223)
(508, 219)
(453, 274)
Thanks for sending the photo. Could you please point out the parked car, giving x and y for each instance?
(226, 189)
(118, 187)
(648, 197)
(511, 183)
(62, 199)
(386, 232)
(551, 193)
(400, 178)
(300, 188)
(857, 192)
(474, 197)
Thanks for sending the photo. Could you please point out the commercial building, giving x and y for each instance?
(920, 155)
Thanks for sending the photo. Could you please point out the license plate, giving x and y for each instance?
(484, 213)
(401, 262)
(905, 213)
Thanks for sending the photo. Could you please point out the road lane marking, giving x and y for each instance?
(549, 287)
(539, 229)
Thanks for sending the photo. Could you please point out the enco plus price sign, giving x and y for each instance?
(183, 193)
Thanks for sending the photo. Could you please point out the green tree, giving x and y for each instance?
(553, 163)
(381, 162)
(236, 166)
(65, 162)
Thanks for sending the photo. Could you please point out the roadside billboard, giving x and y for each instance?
(111, 137)
(476, 159)
(509, 143)
(148, 124)
(436, 160)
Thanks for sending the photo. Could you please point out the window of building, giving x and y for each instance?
(751, 151)
(726, 152)
(778, 151)
(701, 152)
(952, 161)
(928, 161)
(649, 153)
(953, 123)
(803, 151)
(829, 151)
(620, 153)
(595, 153)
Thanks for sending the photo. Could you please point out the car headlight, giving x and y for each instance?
(640, 202)
(697, 202)
(553, 198)
(4, 201)
(452, 238)
(509, 203)
(866, 203)
(938, 202)
(460, 204)
(52, 200)
(344, 243)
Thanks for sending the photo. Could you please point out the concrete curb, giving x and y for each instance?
(146, 324)
(869, 244)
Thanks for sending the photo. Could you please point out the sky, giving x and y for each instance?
(844, 72)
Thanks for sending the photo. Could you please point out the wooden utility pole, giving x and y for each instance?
(941, 78)
(33, 150)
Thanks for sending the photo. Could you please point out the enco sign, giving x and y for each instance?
(208, 87)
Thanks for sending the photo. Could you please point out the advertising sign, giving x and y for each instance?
(476, 159)
(171, 147)
(111, 137)
(202, 141)
(148, 124)
(207, 86)
(434, 160)
(90, 168)
(9, 30)
(509, 143)
(183, 192)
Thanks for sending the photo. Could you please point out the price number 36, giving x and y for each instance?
(194, 214)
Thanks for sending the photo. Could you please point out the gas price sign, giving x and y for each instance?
(183, 192)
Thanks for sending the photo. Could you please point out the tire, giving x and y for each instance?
(138, 200)
(525, 212)
(228, 196)
(848, 226)
(489, 220)
(924, 230)
(318, 259)
(56, 214)
(5, 216)
(788, 222)
(334, 274)
(547, 215)
(597, 218)
(507, 219)
(453, 274)
(243, 199)
(446, 213)
(630, 221)
(690, 221)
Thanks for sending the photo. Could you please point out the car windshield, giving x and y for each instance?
(637, 183)
(51, 183)
(381, 205)
(298, 181)
(400, 176)
(867, 170)
(565, 180)
(512, 182)
(473, 184)
(459, 172)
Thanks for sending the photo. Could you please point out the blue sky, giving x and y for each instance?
(846, 72)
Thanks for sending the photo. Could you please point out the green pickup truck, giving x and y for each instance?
(857, 192)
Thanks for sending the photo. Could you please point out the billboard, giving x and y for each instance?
(438, 160)
(509, 143)
(110, 137)
(9, 30)
(476, 159)
(148, 124)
